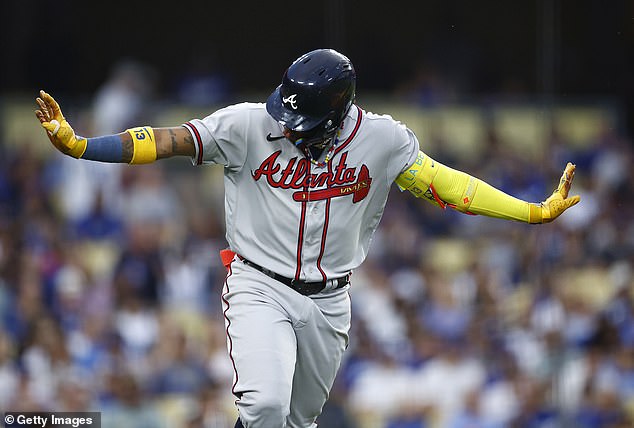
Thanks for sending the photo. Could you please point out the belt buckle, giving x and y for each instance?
(302, 287)
(296, 285)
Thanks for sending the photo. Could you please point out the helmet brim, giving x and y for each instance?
(289, 118)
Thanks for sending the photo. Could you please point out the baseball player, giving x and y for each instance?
(306, 177)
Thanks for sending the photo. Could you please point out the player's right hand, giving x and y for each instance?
(57, 128)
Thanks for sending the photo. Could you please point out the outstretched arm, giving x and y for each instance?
(137, 145)
(444, 186)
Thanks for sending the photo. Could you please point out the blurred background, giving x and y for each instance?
(110, 278)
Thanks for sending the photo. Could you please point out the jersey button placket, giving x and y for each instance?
(313, 236)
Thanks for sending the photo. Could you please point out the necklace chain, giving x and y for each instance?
(331, 150)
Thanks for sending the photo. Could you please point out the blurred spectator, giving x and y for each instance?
(178, 371)
(335, 413)
(137, 325)
(202, 84)
(210, 410)
(374, 304)
(147, 198)
(427, 87)
(187, 278)
(600, 409)
(620, 312)
(129, 409)
(443, 314)
(46, 361)
(99, 224)
(75, 394)
(497, 402)
(139, 271)
(123, 100)
(470, 416)
(9, 373)
(446, 380)
(381, 393)
(536, 410)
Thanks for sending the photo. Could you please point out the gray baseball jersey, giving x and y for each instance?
(285, 213)
(304, 220)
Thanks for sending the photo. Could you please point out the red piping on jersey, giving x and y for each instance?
(302, 223)
(353, 133)
(199, 142)
(224, 313)
(323, 240)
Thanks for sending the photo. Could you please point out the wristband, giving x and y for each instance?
(104, 149)
(535, 214)
(79, 149)
(144, 144)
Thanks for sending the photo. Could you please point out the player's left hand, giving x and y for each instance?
(559, 201)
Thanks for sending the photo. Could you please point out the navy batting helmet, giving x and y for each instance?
(316, 93)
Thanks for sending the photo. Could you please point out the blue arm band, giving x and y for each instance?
(104, 149)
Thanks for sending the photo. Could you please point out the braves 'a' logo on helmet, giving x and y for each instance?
(291, 100)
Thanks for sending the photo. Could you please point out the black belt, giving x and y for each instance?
(302, 287)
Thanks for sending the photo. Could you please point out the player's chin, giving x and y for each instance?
(307, 144)
(304, 139)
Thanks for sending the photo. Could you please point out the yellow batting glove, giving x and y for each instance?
(556, 203)
(57, 128)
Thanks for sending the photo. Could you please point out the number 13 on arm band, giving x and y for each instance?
(144, 144)
(110, 148)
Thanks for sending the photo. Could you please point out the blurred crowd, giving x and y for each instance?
(110, 286)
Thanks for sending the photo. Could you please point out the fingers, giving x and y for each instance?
(43, 114)
(56, 112)
(40, 116)
(573, 200)
(564, 187)
(49, 106)
(43, 107)
(565, 182)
